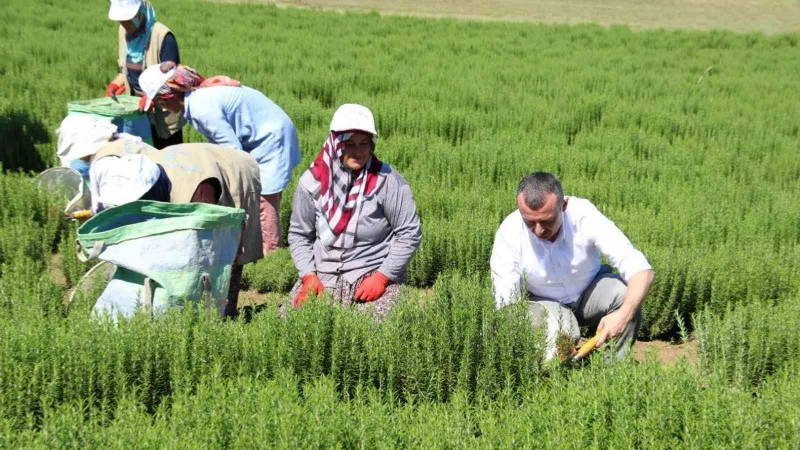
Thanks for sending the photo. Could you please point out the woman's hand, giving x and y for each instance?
(310, 283)
(117, 86)
(143, 104)
(372, 288)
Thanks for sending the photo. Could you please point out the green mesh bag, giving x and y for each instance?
(123, 111)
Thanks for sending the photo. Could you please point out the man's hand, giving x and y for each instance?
(613, 324)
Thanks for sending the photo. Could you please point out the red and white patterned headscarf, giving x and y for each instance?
(338, 195)
(186, 79)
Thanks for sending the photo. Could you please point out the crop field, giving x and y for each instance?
(688, 140)
(768, 16)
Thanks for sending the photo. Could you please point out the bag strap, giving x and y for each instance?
(148, 296)
(84, 256)
(205, 280)
(78, 197)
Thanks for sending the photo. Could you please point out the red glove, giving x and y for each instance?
(114, 89)
(372, 287)
(310, 283)
(142, 102)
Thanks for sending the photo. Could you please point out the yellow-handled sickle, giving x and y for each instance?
(80, 216)
(585, 349)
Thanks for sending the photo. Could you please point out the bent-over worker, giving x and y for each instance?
(235, 116)
(126, 170)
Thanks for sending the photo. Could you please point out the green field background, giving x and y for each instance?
(687, 140)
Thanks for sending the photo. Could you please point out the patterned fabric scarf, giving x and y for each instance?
(337, 196)
(187, 79)
(144, 20)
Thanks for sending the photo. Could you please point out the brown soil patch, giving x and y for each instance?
(56, 274)
(666, 352)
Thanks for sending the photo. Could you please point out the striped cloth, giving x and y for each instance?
(337, 196)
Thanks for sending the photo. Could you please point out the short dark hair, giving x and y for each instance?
(535, 186)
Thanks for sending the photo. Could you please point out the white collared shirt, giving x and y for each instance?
(563, 269)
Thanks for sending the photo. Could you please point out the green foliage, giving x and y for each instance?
(637, 407)
(458, 342)
(749, 342)
(702, 175)
(274, 273)
(71, 268)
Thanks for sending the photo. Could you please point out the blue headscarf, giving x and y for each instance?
(144, 20)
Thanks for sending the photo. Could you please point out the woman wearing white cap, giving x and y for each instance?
(354, 225)
(144, 42)
(123, 171)
(81, 136)
(234, 116)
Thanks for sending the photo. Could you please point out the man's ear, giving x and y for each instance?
(564, 205)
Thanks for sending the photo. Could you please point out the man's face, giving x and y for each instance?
(545, 222)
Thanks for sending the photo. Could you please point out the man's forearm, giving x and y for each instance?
(638, 286)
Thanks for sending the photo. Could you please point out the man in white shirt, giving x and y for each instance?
(552, 245)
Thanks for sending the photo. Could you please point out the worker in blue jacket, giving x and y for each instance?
(235, 116)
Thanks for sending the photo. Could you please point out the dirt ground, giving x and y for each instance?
(666, 352)
(768, 16)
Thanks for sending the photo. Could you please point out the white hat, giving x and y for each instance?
(120, 180)
(351, 116)
(123, 9)
(82, 135)
(151, 80)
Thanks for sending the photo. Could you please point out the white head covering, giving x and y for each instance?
(120, 10)
(151, 81)
(82, 135)
(119, 180)
(351, 116)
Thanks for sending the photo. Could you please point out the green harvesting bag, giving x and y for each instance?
(165, 254)
(123, 112)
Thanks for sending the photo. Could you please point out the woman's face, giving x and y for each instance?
(174, 105)
(357, 150)
(130, 28)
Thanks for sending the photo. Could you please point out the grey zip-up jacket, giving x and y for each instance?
(387, 235)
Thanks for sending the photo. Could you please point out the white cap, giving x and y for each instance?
(120, 180)
(351, 116)
(82, 135)
(123, 9)
(151, 80)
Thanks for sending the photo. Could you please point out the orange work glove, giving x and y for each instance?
(114, 89)
(372, 287)
(310, 283)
